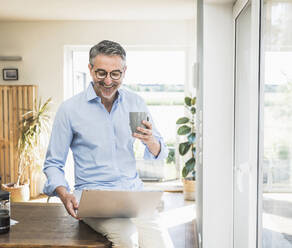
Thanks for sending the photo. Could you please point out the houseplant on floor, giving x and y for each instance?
(34, 132)
(187, 149)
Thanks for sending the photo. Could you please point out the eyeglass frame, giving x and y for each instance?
(110, 73)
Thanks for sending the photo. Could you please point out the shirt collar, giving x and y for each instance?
(90, 94)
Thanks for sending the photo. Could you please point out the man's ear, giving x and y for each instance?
(89, 67)
(124, 73)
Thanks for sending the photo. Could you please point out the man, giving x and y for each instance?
(95, 125)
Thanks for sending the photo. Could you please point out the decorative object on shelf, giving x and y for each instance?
(10, 74)
(34, 133)
(188, 147)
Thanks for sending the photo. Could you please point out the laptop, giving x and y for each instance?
(118, 204)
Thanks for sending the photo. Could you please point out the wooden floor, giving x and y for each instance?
(183, 235)
(179, 218)
(178, 215)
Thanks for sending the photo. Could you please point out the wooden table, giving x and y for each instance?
(48, 225)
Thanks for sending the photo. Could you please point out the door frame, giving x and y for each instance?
(255, 144)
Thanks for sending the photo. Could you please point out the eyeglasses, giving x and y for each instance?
(102, 74)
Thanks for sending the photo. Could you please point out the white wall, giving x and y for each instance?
(217, 126)
(41, 44)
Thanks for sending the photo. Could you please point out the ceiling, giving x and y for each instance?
(96, 9)
(31, 10)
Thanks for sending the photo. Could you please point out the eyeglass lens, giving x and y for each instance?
(102, 74)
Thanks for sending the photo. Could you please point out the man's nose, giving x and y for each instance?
(108, 79)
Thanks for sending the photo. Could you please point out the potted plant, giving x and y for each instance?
(187, 149)
(34, 129)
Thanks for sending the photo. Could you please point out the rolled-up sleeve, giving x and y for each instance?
(162, 154)
(61, 138)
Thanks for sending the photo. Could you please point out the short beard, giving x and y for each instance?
(97, 86)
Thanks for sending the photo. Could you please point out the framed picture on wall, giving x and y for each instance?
(10, 74)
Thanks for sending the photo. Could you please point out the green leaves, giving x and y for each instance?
(183, 130)
(184, 148)
(189, 166)
(187, 128)
(34, 128)
(193, 110)
(188, 101)
(194, 151)
(182, 120)
(192, 138)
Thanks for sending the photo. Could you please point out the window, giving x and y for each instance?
(159, 77)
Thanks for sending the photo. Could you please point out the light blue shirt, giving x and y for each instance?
(101, 143)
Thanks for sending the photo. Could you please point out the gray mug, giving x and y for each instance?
(136, 119)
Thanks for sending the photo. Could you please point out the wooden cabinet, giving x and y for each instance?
(15, 100)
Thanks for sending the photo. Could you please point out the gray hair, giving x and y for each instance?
(107, 47)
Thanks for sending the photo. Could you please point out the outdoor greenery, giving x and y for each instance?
(278, 115)
(171, 155)
(277, 135)
(166, 98)
(34, 132)
(155, 87)
(187, 129)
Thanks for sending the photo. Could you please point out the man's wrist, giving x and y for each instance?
(61, 191)
(154, 147)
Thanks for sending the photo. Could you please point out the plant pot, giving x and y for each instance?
(17, 194)
(37, 182)
(189, 189)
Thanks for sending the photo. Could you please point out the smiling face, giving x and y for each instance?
(107, 74)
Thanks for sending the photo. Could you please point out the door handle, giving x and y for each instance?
(241, 170)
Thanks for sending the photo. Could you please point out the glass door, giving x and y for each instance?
(263, 190)
(242, 126)
(276, 198)
(246, 121)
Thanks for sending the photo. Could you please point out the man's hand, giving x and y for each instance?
(68, 200)
(147, 137)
